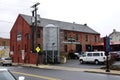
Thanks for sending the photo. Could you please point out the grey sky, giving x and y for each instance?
(101, 15)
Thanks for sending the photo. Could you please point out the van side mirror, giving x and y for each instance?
(21, 78)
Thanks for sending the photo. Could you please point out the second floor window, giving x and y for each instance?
(38, 33)
(76, 37)
(19, 36)
(3, 43)
(95, 38)
(65, 48)
(86, 38)
(65, 35)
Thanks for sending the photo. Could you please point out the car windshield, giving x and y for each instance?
(7, 58)
(5, 75)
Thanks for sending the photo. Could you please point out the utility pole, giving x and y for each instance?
(34, 25)
(107, 50)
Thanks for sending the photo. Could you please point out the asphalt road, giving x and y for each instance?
(51, 74)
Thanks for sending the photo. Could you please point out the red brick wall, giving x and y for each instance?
(81, 39)
(20, 26)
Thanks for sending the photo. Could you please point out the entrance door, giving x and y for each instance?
(88, 47)
(78, 48)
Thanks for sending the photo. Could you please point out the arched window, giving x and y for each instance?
(95, 38)
(65, 35)
(38, 33)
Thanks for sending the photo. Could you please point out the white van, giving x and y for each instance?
(94, 57)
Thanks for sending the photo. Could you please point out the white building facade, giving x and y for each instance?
(114, 36)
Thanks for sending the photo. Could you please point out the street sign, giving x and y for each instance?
(107, 45)
(38, 49)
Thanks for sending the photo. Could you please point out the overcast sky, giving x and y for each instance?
(101, 15)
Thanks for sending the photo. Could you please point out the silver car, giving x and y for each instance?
(6, 61)
(7, 75)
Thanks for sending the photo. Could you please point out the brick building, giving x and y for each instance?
(4, 42)
(72, 37)
(4, 47)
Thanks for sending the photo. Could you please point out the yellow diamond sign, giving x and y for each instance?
(38, 49)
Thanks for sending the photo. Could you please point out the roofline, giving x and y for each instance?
(55, 21)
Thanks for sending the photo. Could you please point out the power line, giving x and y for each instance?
(4, 32)
(5, 21)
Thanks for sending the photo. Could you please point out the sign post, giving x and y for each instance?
(107, 50)
(38, 51)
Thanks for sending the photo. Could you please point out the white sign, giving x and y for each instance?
(11, 52)
(23, 54)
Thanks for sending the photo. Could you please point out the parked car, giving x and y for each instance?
(77, 55)
(7, 75)
(115, 55)
(93, 57)
(6, 61)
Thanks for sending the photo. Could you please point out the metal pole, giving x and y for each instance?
(58, 45)
(53, 52)
(32, 35)
(46, 54)
(107, 63)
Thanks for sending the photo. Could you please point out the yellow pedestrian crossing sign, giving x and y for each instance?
(38, 49)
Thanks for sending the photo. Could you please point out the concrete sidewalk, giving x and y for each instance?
(101, 71)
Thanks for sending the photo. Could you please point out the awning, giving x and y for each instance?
(102, 44)
(66, 42)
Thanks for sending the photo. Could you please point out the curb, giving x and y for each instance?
(108, 73)
(48, 66)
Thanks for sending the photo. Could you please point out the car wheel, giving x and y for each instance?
(2, 64)
(10, 64)
(96, 62)
(81, 62)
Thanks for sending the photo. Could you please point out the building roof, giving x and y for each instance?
(61, 24)
(114, 32)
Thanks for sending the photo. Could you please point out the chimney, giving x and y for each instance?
(73, 22)
(85, 24)
(114, 30)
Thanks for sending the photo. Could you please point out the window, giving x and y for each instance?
(86, 38)
(83, 55)
(65, 47)
(18, 48)
(3, 43)
(76, 36)
(65, 35)
(25, 48)
(27, 36)
(89, 54)
(96, 54)
(95, 38)
(19, 36)
(38, 33)
(101, 54)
